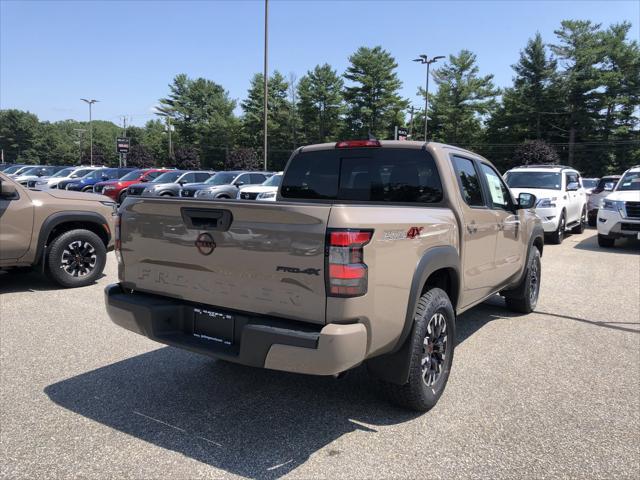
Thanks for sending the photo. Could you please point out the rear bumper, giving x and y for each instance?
(264, 342)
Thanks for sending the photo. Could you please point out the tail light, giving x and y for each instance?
(346, 272)
(358, 144)
(117, 243)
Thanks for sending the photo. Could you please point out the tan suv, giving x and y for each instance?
(65, 233)
(369, 253)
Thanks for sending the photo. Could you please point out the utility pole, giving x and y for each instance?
(80, 132)
(123, 156)
(266, 76)
(90, 102)
(423, 59)
(169, 127)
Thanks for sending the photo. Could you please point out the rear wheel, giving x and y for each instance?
(583, 222)
(431, 354)
(87, 189)
(605, 241)
(527, 299)
(557, 236)
(76, 258)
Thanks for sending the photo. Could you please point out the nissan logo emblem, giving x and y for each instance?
(205, 244)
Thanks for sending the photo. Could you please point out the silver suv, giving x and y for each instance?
(224, 184)
(169, 183)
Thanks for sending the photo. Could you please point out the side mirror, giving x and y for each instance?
(526, 200)
(573, 186)
(239, 184)
(8, 190)
(104, 178)
(181, 182)
(144, 179)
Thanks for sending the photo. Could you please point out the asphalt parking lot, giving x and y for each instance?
(554, 393)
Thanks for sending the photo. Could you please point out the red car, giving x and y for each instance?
(117, 189)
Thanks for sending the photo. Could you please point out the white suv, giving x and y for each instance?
(562, 201)
(619, 213)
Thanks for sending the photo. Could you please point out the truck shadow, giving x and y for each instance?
(29, 280)
(249, 422)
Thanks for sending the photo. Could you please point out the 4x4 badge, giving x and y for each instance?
(205, 244)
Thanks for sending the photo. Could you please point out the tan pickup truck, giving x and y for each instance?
(66, 234)
(368, 255)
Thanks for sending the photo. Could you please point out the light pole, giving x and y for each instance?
(423, 59)
(266, 76)
(90, 102)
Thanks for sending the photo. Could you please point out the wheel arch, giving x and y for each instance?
(61, 222)
(438, 267)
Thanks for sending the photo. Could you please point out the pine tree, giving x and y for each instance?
(372, 97)
(321, 104)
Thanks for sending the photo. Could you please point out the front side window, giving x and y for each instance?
(571, 178)
(468, 182)
(500, 195)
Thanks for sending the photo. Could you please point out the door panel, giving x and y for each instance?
(479, 233)
(509, 245)
(16, 226)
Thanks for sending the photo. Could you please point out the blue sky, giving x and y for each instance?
(125, 53)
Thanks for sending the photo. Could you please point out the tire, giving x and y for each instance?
(605, 242)
(63, 269)
(426, 384)
(557, 236)
(592, 221)
(530, 289)
(583, 222)
(224, 197)
(121, 196)
(166, 194)
(87, 189)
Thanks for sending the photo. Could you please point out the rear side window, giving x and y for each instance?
(468, 181)
(376, 175)
(257, 178)
(201, 177)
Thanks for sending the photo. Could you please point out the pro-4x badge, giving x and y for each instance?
(414, 232)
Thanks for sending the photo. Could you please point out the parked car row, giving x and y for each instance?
(117, 183)
(564, 203)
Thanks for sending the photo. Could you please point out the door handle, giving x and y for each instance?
(472, 228)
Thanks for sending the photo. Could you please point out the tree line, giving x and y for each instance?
(574, 100)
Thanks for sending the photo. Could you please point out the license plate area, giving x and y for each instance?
(213, 326)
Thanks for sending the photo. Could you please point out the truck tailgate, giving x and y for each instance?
(264, 258)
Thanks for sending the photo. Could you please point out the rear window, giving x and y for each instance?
(376, 175)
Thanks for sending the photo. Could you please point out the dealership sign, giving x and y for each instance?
(122, 145)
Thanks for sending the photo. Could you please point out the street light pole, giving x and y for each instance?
(90, 102)
(266, 76)
(423, 59)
